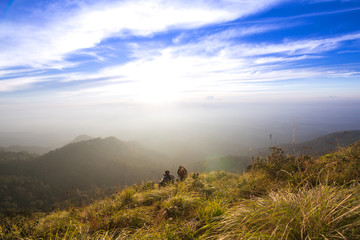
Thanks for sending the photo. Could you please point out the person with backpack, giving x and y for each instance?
(182, 173)
(167, 178)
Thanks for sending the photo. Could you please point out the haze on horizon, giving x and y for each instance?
(213, 75)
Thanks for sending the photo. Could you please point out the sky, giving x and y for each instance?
(155, 68)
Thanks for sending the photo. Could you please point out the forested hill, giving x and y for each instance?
(41, 182)
(103, 162)
(324, 144)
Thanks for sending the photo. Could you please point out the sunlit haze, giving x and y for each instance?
(215, 76)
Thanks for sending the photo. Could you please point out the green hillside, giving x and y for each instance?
(279, 197)
(75, 171)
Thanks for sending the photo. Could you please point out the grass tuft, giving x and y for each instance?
(323, 212)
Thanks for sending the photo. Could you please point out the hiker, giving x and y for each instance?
(166, 179)
(182, 173)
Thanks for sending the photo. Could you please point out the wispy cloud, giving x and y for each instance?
(296, 47)
(215, 66)
(213, 63)
(303, 16)
(20, 83)
(238, 32)
(46, 45)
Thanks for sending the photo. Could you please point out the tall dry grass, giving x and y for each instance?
(323, 212)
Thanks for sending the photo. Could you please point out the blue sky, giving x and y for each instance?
(60, 56)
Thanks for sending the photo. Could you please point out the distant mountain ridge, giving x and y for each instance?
(30, 149)
(324, 144)
(38, 149)
(82, 138)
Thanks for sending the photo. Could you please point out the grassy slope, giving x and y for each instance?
(280, 197)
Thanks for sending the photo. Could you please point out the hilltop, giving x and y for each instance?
(105, 159)
(279, 197)
(74, 172)
(82, 138)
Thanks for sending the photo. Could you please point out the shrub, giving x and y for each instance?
(130, 218)
(182, 206)
(150, 197)
(127, 196)
(254, 183)
(211, 209)
(145, 186)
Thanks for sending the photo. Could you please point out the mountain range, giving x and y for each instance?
(71, 172)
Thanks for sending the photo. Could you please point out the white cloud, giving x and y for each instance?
(236, 32)
(19, 83)
(47, 44)
(283, 60)
(211, 67)
(297, 47)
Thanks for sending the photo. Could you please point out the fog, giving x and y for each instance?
(189, 130)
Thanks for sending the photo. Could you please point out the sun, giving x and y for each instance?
(157, 91)
(156, 81)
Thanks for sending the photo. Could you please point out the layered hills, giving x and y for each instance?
(280, 196)
(73, 171)
(86, 165)
(90, 168)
